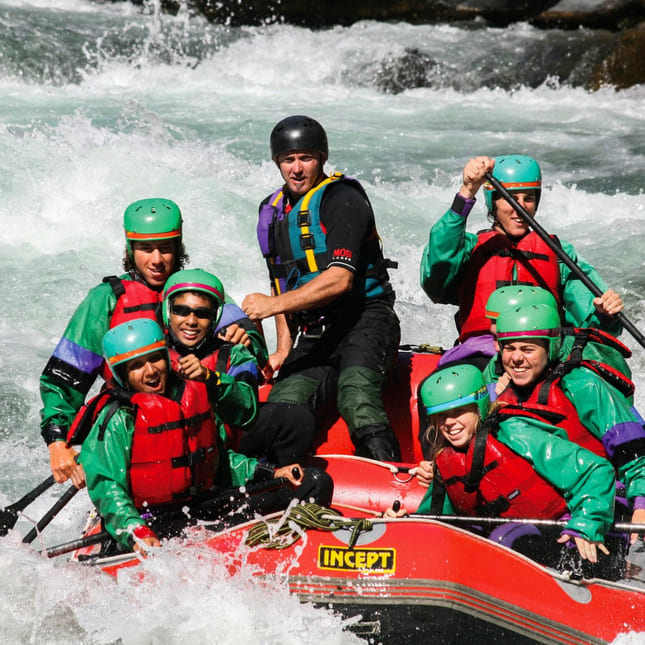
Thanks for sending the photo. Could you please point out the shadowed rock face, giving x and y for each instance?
(623, 65)
(316, 14)
(594, 14)
(612, 60)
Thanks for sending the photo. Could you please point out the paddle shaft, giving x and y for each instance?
(73, 545)
(9, 515)
(548, 240)
(50, 514)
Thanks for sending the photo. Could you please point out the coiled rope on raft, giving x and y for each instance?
(284, 531)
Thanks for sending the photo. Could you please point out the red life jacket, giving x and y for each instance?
(218, 361)
(497, 261)
(174, 445)
(134, 300)
(546, 398)
(489, 479)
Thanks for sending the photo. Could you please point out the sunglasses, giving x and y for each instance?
(184, 311)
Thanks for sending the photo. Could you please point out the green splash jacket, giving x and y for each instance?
(449, 248)
(107, 463)
(586, 480)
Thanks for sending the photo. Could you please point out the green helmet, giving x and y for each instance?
(452, 387)
(515, 173)
(151, 219)
(530, 322)
(193, 280)
(517, 294)
(130, 340)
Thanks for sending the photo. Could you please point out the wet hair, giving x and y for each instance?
(181, 259)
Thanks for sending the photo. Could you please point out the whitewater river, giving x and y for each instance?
(101, 105)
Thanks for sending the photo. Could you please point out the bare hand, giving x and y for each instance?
(190, 368)
(258, 306)
(502, 383)
(235, 334)
(609, 304)
(586, 548)
(147, 541)
(62, 461)
(274, 363)
(638, 517)
(474, 175)
(293, 472)
(391, 512)
(424, 473)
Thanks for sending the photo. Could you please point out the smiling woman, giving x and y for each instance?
(191, 318)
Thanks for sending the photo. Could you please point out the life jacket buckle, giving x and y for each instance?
(304, 218)
(307, 242)
(314, 330)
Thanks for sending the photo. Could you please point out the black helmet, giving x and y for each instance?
(299, 132)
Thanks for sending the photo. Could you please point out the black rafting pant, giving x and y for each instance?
(347, 366)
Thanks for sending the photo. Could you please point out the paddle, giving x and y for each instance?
(50, 514)
(80, 543)
(9, 515)
(626, 323)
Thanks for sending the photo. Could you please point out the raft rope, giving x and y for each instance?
(286, 530)
(394, 469)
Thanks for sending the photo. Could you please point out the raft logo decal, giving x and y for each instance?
(366, 560)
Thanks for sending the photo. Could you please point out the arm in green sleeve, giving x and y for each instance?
(75, 363)
(107, 464)
(448, 250)
(235, 398)
(586, 480)
(608, 416)
(578, 300)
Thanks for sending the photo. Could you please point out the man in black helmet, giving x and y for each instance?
(330, 291)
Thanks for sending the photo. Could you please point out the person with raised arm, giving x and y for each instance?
(463, 268)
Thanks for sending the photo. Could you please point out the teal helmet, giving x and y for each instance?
(130, 340)
(452, 387)
(515, 173)
(197, 280)
(517, 294)
(151, 219)
(530, 322)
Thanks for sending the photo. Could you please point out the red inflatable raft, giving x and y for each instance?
(410, 578)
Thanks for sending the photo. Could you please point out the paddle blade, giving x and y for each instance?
(8, 519)
(9, 515)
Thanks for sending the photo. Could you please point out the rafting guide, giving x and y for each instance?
(331, 296)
